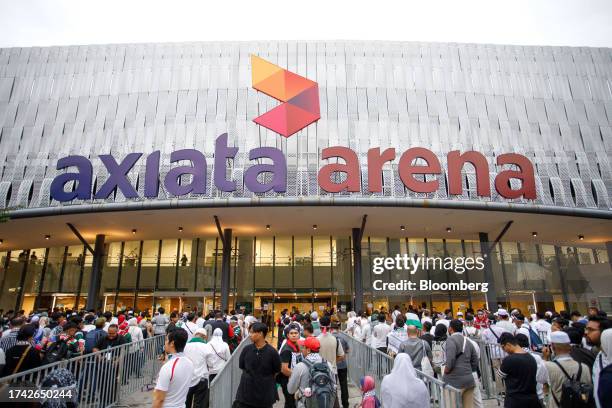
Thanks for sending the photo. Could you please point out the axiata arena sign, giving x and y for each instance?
(192, 163)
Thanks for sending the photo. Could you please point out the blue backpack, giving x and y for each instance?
(536, 341)
(91, 339)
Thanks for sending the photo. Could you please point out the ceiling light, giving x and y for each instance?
(534, 234)
(134, 231)
(403, 228)
(314, 227)
(581, 237)
(47, 237)
(448, 229)
(1, 241)
(180, 229)
(268, 226)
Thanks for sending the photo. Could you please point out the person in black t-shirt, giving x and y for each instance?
(288, 355)
(518, 370)
(260, 363)
(22, 356)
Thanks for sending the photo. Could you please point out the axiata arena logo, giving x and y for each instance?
(300, 97)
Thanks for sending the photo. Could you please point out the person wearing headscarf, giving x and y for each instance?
(603, 360)
(402, 388)
(60, 379)
(220, 354)
(368, 393)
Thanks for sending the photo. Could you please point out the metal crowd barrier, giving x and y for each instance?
(491, 356)
(225, 384)
(365, 360)
(102, 378)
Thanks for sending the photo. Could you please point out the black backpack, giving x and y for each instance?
(575, 394)
(321, 384)
(56, 352)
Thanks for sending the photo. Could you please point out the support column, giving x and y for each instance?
(226, 259)
(24, 272)
(95, 280)
(357, 270)
(488, 270)
(609, 249)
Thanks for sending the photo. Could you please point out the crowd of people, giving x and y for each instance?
(544, 359)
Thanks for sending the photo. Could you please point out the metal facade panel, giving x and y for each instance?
(552, 104)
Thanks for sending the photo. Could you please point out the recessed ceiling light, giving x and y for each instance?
(47, 237)
(403, 227)
(314, 227)
(134, 231)
(180, 229)
(448, 229)
(581, 237)
(534, 234)
(268, 226)
(1, 241)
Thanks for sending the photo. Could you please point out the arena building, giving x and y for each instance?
(267, 175)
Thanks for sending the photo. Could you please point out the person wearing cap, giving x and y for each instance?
(300, 375)
(504, 321)
(198, 351)
(561, 366)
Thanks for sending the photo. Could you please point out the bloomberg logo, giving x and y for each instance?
(300, 108)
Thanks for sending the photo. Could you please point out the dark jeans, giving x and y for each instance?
(206, 400)
(344, 393)
(197, 395)
(289, 399)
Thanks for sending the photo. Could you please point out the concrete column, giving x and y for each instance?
(609, 249)
(358, 305)
(488, 270)
(95, 279)
(226, 260)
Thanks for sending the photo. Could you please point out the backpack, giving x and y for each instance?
(437, 354)
(536, 341)
(321, 384)
(575, 394)
(56, 352)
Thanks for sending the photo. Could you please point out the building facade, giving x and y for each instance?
(302, 244)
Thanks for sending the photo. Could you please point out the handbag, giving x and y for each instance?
(426, 367)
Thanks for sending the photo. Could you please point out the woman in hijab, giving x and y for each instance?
(603, 360)
(368, 393)
(402, 388)
(219, 355)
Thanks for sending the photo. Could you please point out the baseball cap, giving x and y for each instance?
(311, 343)
(559, 337)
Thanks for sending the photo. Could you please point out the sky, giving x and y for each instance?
(26, 23)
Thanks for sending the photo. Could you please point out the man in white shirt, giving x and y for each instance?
(189, 325)
(175, 375)
(491, 336)
(541, 327)
(197, 351)
(504, 321)
(200, 321)
(379, 334)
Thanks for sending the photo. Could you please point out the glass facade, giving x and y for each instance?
(307, 272)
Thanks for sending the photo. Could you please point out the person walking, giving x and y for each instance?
(289, 353)
(379, 333)
(220, 354)
(198, 351)
(461, 361)
(367, 386)
(260, 363)
(402, 388)
(417, 348)
(519, 371)
(23, 355)
(563, 367)
(175, 376)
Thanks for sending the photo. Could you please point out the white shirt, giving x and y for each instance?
(136, 335)
(379, 335)
(198, 353)
(190, 328)
(507, 325)
(175, 384)
(200, 322)
(218, 357)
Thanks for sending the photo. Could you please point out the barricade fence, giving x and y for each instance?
(491, 356)
(365, 360)
(224, 386)
(101, 379)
